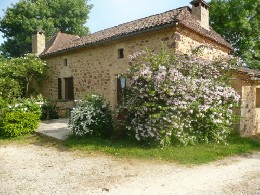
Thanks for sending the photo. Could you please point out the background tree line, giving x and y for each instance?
(238, 21)
(24, 17)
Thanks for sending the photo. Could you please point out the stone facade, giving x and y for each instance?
(95, 69)
(38, 42)
(200, 10)
(187, 41)
(248, 124)
(249, 111)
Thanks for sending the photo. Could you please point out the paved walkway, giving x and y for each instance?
(55, 128)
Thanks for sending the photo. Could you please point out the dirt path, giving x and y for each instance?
(38, 170)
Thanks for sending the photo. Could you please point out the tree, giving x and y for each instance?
(27, 69)
(18, 74)
(9, 87)
(238, 21)
(24, 17)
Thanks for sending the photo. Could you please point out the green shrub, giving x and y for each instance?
(20, 118)
(91, 117)
(3, 107)
(19, 123)
(27, 105)
(49, 110)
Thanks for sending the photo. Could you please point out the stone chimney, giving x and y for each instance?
(200, 10)
(38, 42)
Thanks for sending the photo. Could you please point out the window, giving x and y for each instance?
(69, 90)
(65, 62)
(257, 97)
(121, 84)
(59, 88)
(121, 53)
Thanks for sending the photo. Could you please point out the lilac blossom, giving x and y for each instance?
(178, 97)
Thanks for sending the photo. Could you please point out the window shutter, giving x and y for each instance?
(69, 89)
(119, 90)
(59, 88)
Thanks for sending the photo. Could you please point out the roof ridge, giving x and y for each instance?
(122, 24)
(54, 41)
(50, 41)
(69, 34)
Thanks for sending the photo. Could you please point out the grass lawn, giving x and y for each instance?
(198, 154)
(189, 155)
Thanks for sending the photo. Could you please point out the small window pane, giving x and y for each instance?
(121, 53)
(121, 85)
(258, 97)
(65, 62)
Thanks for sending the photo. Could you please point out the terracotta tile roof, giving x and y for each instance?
(58, 41)
(187, 19)
(253, 73)
(174, 17)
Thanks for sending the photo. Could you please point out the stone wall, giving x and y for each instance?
(95, 69)
(38, 42)
(201, 13)
(246, 89)
(187, 41)
(248, 124)
(249, 90)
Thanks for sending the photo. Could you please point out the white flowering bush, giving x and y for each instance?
(179, 98)
(91, 117)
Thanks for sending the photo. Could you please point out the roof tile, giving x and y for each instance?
(64, 42)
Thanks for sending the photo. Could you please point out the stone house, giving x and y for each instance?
(91, 64)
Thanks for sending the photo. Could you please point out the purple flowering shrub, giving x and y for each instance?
(176, 98)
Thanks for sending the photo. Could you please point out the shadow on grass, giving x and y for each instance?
(189, 155)
(198, 154)
(34, 139)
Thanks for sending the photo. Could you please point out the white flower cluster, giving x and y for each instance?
(89, 116)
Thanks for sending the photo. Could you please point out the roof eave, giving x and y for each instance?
(253, 74)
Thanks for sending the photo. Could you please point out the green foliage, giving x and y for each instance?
(49, 110)
(238, 21)
(28, 105)
(20, 118)
(18, 74)
(3, 108)
(91, 117)
(19, 123)
(10, 88)
(24, 17)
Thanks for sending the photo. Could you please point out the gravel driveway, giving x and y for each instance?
(34, 169)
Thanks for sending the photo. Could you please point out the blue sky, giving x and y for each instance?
(108, 13)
